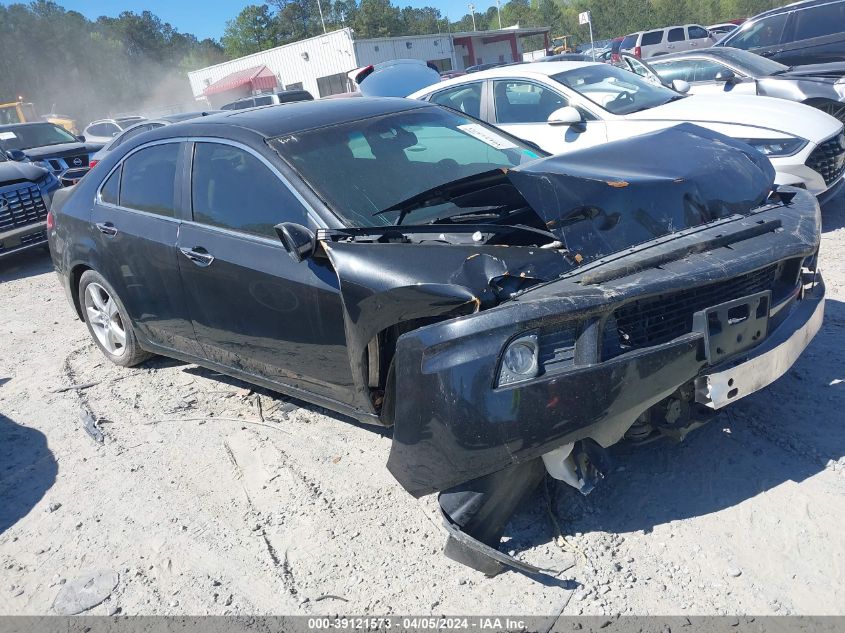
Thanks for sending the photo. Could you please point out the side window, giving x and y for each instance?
(232, 189)
(676, 35)
(651, 38)
(704, 70)
(102, 129)
(670, 71)
(135, 131)
(819, 21)
(524, 102)
(697, 33)
(260, 101)
(466, 99)
(148, 181)
(765, 32)
(111, 188)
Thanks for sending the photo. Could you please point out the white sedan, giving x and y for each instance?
(564, 106)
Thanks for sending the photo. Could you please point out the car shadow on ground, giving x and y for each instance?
(30, 263)
(27, 470)
(833, 213)
(751, 447)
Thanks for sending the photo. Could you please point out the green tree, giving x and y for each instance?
(254, 29)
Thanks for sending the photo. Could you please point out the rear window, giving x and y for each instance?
(819, 21)
(655, 37)
(629, 42)
(697, 33)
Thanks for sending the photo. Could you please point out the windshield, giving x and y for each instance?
(362, 168)
(35, 135)
(617, 91)
(754, 65)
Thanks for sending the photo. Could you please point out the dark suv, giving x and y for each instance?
(25, 191)
(810, 32)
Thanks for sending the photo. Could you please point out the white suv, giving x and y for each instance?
(672, 39)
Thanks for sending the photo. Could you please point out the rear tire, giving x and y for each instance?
(107, 321)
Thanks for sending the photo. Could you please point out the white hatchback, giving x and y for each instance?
(564, 106)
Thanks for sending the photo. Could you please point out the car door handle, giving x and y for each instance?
(107, 228)
(198, 255)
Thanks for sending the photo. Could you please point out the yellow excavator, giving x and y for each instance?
(560, 44)
(21, 111)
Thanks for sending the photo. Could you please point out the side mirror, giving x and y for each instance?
(299, 241)
(679, 85)
(565, 116)
(726, 76)
(16, 155)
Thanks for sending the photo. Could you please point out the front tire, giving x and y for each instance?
(107, 321)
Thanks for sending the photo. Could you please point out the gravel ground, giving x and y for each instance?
(207, 496)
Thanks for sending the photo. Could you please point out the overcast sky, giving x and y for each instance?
(207, 18)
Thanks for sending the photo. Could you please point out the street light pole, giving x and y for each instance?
(472, 12)
(322, 21)
(499, 11)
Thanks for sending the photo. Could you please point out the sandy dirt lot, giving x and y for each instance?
(209, 497)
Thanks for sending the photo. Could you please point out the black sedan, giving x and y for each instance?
(507, 313)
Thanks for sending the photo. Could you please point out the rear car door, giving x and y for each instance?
(253, 308)
(522, 108)
(676, 39)
(135, 225)
(698, 37)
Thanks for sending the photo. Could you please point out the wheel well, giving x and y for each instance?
(75, 276)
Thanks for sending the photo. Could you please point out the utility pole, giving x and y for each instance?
(499, 11)
(322, 21)
(472, 12)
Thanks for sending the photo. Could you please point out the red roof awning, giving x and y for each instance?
(259, 78)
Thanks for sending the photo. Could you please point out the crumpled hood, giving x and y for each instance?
(11, 171)
(651, 185)
(795, 119)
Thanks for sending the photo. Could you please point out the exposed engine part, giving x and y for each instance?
(581, 465)
(673, 417)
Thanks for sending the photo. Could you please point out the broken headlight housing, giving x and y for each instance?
(775, 147)
(519, 360)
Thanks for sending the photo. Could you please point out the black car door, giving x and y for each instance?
(814, 35)
(253, 308)
(135, 228)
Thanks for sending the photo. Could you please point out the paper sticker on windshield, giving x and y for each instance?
(5, 136)
(483, 134)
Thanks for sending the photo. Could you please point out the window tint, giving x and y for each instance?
(629, 42)
(525, 102)
(466, 99)
(676, 35)
(259, 101)
(653, 37)
(103, 129)
(135, 131)
(232, 189)
(148, 179)
(111, 188)
(670, 71)
(765, 32)
(819, 21)
(697, 33)
(705, 70)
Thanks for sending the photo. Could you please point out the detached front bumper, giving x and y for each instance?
(453, 424)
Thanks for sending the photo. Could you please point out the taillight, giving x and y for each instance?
(638, 52)
(93, 163)
(51, 223)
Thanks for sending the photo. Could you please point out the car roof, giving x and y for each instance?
(723, 52)
(13, 126)
(790, 7)
(529, 69)
(289, 118)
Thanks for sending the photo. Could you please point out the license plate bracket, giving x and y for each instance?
(734, 326)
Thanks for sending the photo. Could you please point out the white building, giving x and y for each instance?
(320, 64)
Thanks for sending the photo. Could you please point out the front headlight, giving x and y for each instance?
(774, 147)
(519, 361)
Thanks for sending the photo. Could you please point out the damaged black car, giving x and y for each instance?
(508, 313)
